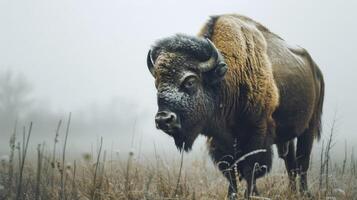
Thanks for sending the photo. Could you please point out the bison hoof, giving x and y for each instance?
(307, 194)
(254, 193)
(233, 196)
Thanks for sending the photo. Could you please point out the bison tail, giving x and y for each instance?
(318, 109)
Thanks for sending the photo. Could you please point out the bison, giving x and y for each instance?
(245, 89)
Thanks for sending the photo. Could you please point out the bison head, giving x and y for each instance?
(187, 72)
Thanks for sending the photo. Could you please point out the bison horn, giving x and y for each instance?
(150, 63)
(215, 65)
(212, 61)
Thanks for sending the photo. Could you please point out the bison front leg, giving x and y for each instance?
(257, 154)
(257, 161)
(232, 179)
(224, 156)
(251, 188)
(224, 165)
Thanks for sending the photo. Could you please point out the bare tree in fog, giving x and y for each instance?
(18, 102)
(15, 98)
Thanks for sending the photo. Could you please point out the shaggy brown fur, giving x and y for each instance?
(245, 51)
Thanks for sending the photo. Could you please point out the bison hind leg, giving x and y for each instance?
(290, 162)
(303, 151)
(283, 149)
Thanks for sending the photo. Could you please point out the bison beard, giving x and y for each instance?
(179, 142)
(245, 90)
(184, 141)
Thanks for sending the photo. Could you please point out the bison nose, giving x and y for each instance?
(166, 120)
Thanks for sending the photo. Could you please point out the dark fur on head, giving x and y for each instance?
(196, 47)
(179, 59)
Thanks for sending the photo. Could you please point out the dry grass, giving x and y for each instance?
(132, 176)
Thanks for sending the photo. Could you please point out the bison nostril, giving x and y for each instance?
(171, 118)
(165, 120)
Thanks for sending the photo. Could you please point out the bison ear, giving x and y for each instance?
(150, 63)
(217, 73)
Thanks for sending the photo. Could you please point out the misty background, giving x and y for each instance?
(89, 58)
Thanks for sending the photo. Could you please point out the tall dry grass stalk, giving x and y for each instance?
(22, 158)
(53, 163)
(74, 194)
(39, 170)
(63, 180)
(95, 188)
(12, 143)
(344, 160)
(180, 171)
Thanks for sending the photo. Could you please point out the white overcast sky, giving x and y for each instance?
(80, 52)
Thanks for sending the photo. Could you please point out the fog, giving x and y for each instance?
(89, 58)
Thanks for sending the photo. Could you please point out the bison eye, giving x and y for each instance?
(190, 83)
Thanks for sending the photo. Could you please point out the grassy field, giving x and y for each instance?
(111, 175)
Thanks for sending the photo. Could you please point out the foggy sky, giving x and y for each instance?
(81, 53)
